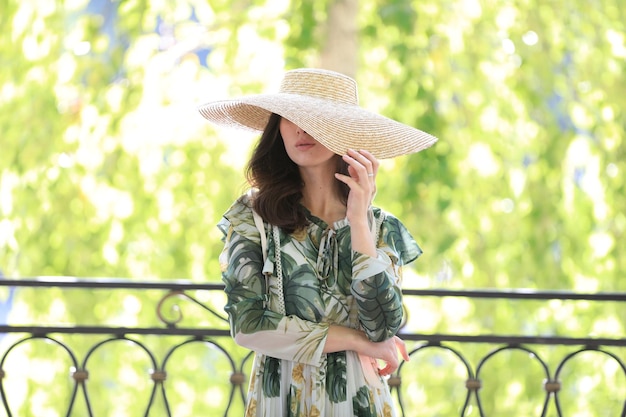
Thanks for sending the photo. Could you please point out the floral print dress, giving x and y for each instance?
(324, 283)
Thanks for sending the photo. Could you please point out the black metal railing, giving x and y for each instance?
(186, 364)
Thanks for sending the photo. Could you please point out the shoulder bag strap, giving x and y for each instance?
(258, 221)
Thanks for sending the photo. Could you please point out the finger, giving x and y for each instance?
(346, 179)
(359, 196)
(357, 178)
(385, 371)
(364, 160)
(389, 368)
(352, 172)
(402, 347)
(372, 159)
(354, 167)
(360, 162)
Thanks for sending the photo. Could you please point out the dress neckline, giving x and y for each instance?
(339, 224)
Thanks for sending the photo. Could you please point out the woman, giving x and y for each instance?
(311, 269)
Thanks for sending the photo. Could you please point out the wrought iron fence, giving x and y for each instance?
(478, 369)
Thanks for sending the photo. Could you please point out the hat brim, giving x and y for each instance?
(337, 126)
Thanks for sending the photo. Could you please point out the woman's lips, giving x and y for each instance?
(304, 145)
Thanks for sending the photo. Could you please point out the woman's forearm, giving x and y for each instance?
(362, 239)
(345, 338)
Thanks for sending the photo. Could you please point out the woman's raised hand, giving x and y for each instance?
(362, 169)
(361, 179)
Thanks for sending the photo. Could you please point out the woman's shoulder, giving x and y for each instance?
(386, 218)
(239, 216)
(397, 236)
(240, 207)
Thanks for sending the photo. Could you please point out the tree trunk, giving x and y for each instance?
(340, 49)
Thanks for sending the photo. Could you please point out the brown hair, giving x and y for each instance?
(278, 181)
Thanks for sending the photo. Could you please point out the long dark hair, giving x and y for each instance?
(278, 180)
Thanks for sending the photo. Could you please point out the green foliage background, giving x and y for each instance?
(108, 170)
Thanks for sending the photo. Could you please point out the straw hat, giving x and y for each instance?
(325, 104)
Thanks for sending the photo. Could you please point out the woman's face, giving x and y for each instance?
(303, 150)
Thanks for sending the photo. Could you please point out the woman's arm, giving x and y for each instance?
(362, 169)
(252, 324)
(343, 338)
(376, 290)
(375, 285)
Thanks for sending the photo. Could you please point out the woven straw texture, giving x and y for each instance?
(325, 104)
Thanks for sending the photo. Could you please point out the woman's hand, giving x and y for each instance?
(362, 169)
(387, 352)
(345, 338)
(371, 164)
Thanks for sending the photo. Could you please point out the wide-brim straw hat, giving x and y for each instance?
(325, 104)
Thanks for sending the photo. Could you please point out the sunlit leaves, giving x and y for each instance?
(506, 80)
(108, 170)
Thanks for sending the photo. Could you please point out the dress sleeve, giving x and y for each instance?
(376, 282)
(252, 324)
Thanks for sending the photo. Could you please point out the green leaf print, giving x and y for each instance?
(271, 377)
(362, 404)
(397, 237)
(309, 248)
(254, 318)
(336, 377)
(380, 306)
(237, 290)
(344, 274)
(337, 306)
(292, 401)
(302, 294)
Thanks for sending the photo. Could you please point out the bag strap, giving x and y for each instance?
(260, 225)
(258, 221)
(279, 271)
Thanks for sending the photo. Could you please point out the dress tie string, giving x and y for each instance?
(328, 257)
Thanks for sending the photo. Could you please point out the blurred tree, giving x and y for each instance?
(107, 170)
(523, 187)
(340, 43)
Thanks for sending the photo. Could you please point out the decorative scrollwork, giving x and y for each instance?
(175, 308)
(467, 389)
(178, 314)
